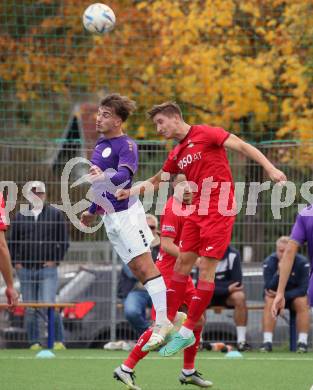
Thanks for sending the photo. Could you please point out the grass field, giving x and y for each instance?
(92, 370)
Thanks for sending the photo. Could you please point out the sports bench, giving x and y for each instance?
(217, 309)
(292, 322)
(51, 309)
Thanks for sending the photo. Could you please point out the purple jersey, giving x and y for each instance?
(110, 155)
(302, 232)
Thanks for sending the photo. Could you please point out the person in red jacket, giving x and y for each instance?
(171, 226)
(5, 260)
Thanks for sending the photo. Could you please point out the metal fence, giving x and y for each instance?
(89, 272)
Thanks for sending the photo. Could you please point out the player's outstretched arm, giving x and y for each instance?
(139, 189)
(5, 263)
(235, 143)
(285, 266)
(6, 270)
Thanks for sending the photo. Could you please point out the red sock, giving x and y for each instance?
(175, 294)
(137, 354)
(199, 302)
(190, 352)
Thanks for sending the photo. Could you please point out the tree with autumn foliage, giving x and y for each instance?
(243, 65)
(240, 64)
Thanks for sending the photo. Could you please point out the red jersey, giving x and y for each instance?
(3, 225)
(171, 225)
(201, 156)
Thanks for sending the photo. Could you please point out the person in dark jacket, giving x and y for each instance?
(134, 295)
(295, 295)
(229, 292)
(38, 242)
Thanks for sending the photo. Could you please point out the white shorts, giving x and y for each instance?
(129, 232)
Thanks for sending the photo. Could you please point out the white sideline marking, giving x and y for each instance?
(159, 358)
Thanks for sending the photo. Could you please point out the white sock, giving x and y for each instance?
(157, 291)
(185, 332)
(241, 334)
(303, 338)
(188, 372)
(267, 337)
(125, 368)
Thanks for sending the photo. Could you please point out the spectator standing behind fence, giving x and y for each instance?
(38, 242)
(5, 260)
(135, 297)
(295, 295)
(229, 292)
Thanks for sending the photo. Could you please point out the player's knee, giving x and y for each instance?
(135, 266)
(239, 299)
(268, 302)
(300, 304)
(131, 313)
(142, 273)
(184, 264)
(207, 269)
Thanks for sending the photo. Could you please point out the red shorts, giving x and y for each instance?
(207, 235)
(189, 293)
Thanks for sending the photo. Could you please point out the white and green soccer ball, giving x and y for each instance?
(99, 18)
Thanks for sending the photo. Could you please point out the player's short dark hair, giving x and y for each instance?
(168, 108)
(122, 105)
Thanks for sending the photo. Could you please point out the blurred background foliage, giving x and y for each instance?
(244, 65)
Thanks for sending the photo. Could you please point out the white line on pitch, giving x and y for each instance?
(158, 358)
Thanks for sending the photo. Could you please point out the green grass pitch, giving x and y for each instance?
(92, 370)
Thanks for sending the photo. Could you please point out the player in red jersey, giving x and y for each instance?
(5, 260)
(201, 156)
(171, 226)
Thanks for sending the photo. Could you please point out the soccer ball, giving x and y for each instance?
(98, 18)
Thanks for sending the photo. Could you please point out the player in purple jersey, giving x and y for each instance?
(115, 161)
(302, 232)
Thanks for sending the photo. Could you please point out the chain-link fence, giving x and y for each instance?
(89, 272)
(246, 66)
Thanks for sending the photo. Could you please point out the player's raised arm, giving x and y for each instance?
(140, 189)
(235, 143)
